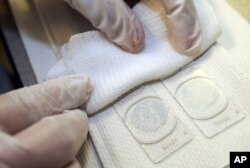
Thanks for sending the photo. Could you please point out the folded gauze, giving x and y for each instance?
(114, 71)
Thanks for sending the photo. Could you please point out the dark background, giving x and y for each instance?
(9, 78)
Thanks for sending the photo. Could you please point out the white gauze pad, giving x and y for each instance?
(114, 71)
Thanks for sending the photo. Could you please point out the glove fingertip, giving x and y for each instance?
(135, 42)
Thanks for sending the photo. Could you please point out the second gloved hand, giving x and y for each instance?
(115, 19)
(40, 126)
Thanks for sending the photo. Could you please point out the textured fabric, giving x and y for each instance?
(113, 71)
(87, 155)
(212, 138)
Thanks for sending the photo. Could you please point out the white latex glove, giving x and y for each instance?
(40, 125)
(115, 19)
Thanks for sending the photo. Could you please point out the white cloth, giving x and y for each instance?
(113, 71)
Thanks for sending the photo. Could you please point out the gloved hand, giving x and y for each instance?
(40, 125)
(115, 19)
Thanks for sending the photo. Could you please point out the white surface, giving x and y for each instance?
(235, 36)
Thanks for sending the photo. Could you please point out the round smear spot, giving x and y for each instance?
(201, 98)
(149, 120)
(149, 115)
